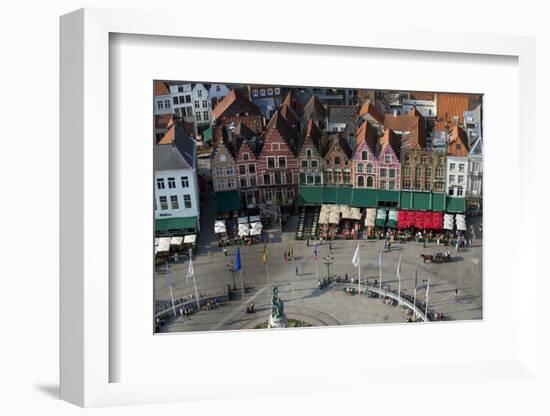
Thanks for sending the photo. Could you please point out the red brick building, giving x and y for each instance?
(277, 167)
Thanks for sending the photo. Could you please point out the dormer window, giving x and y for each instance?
(262, 92)
(254, 93)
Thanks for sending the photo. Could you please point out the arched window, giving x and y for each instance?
(361, 181)
(370, 182)
(369, 168)
(360, 168)
(337, 161)
(364, 155)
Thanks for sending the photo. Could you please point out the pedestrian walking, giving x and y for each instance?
(225, 251)
(456, 293)
(307, 242)
(296, 270)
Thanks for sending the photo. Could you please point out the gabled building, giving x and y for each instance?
(457, 163)
(223, 168)
(163, 98)
(337, 160)
(315, 110)
(474, 189)
(217, 91)
(365, 159)
(177, 209)
(235, 104)
(389, 166)
(369, 113)
(309, 159)
(411, 125)
(201, 106)
(421, 169)
(247, 169)
(278, 164)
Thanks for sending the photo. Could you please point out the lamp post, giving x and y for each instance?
(328, 260)
(232, 269)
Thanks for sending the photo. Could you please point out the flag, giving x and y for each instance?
(264, 254)
(315, 251)
(380, 258)
(427, 291)
(356, 257)
(238, 260)
(415, 278)
(190, 271)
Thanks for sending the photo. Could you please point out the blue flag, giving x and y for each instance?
(238, 260)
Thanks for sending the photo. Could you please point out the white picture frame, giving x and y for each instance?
(85, 350)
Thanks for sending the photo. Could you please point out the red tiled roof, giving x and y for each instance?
(412, 122)
(313, 132)
(369, 108)
(427, 96)
(315, 106)
(458, 143)
(390, 138)
(234, 103)
(367, 133)
(289, 134)
(288, 114)
(451, 105)
(294, 103)
(169, 136)
(163, 121)
(255, 123)
(160, 88)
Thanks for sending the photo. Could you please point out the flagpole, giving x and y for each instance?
(359, 271)
(171, 291)
(399, 280)
(427, 297)
(380, 274)
(194, 280)
(414, 298)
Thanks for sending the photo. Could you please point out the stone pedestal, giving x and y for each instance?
(280, 322)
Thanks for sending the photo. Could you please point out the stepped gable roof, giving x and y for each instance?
(411, 123)
(313, 132)
(449, 106)
(293, 102)
(289, 134)
(315, 106)
(392, 139)
(235, 103)
(370, 109)
(160, 88)
(367, 133)
(288, 114)
(458, 142)
(329, 141)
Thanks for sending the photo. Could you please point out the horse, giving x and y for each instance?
(426, 257)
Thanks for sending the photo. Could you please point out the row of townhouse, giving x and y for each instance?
(265, 165)
(192, 102)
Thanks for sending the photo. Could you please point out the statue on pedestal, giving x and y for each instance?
(277, 319)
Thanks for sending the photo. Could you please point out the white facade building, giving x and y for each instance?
(182, 101)
(218, 91)
(163, 98)
(201, 105)
(176, 186)
(457, 176)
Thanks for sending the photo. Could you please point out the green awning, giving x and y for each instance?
(406, 200)
(364, 198)
(421, 201)
(344, 196)
(310, 195)
(330, 195)
(207, 135)
(455, 204)
(381, 215)
(438, 201)
(227, 201)
(165, 225)
(388, 196)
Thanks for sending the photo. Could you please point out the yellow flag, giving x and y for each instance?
(264, 255)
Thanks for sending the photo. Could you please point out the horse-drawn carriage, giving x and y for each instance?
(439, 257)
